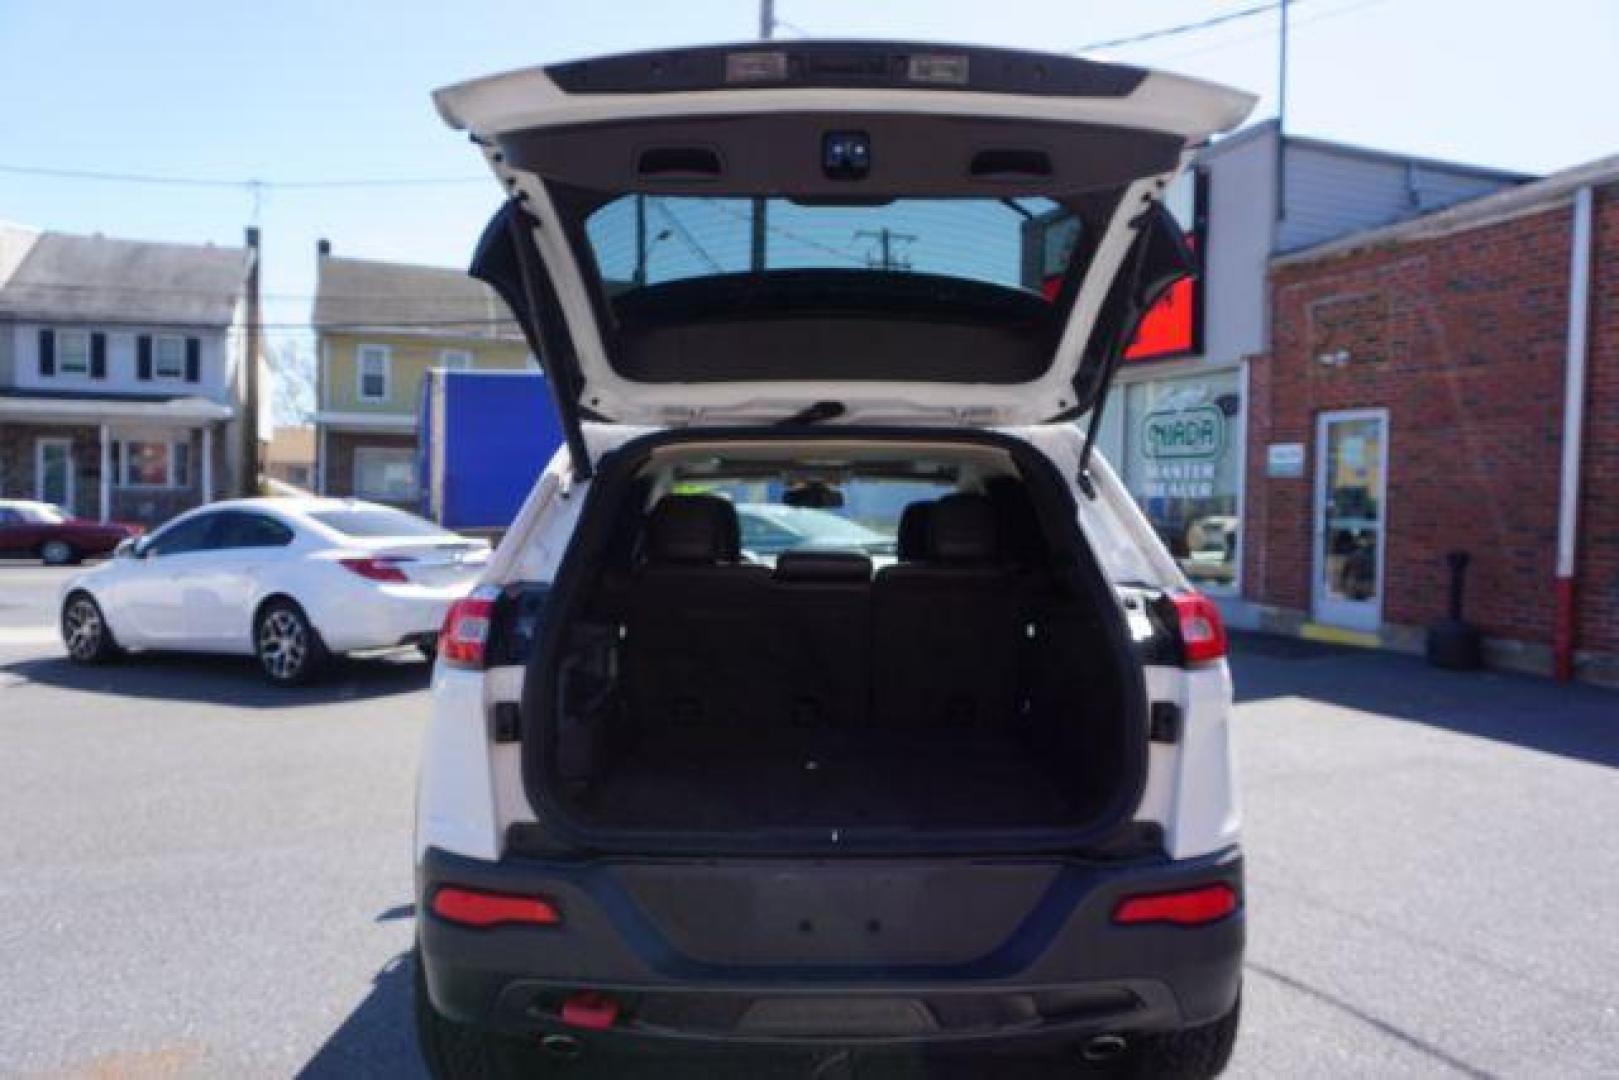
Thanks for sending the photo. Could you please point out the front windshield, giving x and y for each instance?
(1024, 243)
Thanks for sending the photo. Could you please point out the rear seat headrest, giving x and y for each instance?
(915, 523)
(823, 567)
(693, 529)
(964, 529)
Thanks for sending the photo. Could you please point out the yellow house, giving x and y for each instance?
(379, 327)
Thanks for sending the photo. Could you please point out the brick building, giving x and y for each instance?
(1450, 383)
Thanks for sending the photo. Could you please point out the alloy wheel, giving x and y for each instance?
(283, 644)
(56, 553)
(82, 627)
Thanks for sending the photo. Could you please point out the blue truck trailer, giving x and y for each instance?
(482, 438)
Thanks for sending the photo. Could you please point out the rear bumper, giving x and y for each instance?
(1064, 971)
(352, 617)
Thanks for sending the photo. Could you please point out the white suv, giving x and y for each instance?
(973, 794)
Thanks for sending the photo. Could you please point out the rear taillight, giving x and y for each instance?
(1202, 631)
(469, 907)
(464, 640)
(385, 568)
(1189, 907)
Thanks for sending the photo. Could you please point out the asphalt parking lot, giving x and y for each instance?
(200, 875)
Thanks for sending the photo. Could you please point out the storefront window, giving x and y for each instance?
(1182, 460)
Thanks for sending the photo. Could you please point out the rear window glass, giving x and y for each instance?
(1024, 243)
(866, 522)
(377, 522)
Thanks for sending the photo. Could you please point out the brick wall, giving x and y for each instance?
(340, 447)
(1462, 338)
(1597, 629)
(17, 462)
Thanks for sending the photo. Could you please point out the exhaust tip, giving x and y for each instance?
(1103, 1048)
(562, 1047)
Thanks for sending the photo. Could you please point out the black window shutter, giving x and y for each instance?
(47, 352)
(98, 356)
(143, 356)
(193, 359)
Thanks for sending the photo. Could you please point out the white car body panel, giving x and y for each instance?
(455, 802)
(204, 601)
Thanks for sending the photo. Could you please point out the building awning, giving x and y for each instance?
(188, 411)
(359, 421)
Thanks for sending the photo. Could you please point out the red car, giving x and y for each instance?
(40, 530)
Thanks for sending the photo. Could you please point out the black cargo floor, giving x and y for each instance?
(962, 779)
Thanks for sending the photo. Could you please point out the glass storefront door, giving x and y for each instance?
(1350, 518)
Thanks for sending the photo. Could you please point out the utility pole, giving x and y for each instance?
(885, 257)
(252, 349)
(1281, 115)
(761, 224)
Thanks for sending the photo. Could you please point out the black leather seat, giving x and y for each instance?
(823, 606)
(696, 649)
(915, 523)
(946, 627)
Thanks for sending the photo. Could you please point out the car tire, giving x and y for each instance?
(85, 631)
(58, 553)
(455, 1051)
(1191, 1054)
(287, 645)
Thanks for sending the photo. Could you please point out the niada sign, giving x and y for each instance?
(1197, 432)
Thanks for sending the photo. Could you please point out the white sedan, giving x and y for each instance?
(293, 581)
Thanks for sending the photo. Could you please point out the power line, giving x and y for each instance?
(1187, 28)
(686, 237)
(250, 184)
(1321, 15)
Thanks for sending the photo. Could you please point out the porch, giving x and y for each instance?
(139, 461)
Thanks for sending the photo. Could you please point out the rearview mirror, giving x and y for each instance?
(814, 495)
(125, 548)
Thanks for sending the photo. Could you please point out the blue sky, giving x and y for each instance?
(316, 90)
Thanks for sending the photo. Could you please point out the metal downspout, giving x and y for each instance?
(1568, 493)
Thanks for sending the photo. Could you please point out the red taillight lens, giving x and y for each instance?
(1202, 630)
(1193, 907)
(471, 908)
(462, 641)
(383, 569)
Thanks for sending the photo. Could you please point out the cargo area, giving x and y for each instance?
(854, 645)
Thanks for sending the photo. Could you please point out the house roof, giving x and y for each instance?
(99, 278)
(1511, 202)
(364, 294)
(1270, 128)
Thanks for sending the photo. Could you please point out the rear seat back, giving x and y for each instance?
(696, 650)
(946, 627)
(823, 606)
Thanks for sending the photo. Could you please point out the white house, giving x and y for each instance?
(122, 372)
